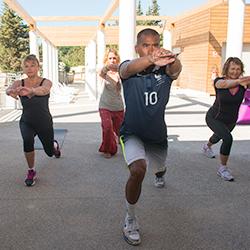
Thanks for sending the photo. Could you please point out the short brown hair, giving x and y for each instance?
(31, 57)
(235, 60)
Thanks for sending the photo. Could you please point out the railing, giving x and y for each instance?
(6, 79)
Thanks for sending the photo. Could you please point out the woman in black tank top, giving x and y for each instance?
(222, 116)
(36, 119)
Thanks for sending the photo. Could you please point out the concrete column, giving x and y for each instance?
(50, 62)
(86, 60)
(167, 40)
(56, 66)
(101, 47)
(45, 59)
(86, 74)
(33, 44)
(127, 21)
(90, 70)
(235, 28)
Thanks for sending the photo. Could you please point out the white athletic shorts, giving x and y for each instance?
(135, 149)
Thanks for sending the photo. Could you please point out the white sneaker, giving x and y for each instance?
(159, 182)
(131, 231)
(225, 174)
(208, 152)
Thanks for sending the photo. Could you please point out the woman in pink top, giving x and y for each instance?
(111, 106)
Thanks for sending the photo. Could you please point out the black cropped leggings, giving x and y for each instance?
(46, 136)
(221, 131)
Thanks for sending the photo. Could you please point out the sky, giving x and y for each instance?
(99, 7)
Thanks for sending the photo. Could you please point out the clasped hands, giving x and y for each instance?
(245, 81)
(112, 67)
(161, 57)
(20, 91)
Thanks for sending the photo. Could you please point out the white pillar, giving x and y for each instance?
(235, 28)
(101, 47)
(33, 44)
(167, 40)
(45, 59)
(86, 59)
(86, 74)
(54, 65)
(91, 80)
(56, 62)
(127, 21)
(50, 67)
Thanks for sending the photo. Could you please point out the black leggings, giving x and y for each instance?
(46, 136)
(221, 131)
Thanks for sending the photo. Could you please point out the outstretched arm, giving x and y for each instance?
(245, 81)
(174, 69)
(39, 91)
(231, 83)
(159, 57)
(114, 80)
(13, 89)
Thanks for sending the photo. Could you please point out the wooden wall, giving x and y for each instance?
(201, 36)
(192, 34)
(217, 35)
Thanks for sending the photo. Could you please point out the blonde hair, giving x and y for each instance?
(111, 50)
(32, 58)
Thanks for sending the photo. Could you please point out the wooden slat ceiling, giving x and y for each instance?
(81, 35)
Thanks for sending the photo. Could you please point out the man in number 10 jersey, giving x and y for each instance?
(146, 84)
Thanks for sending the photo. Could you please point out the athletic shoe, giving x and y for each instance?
(57, 152)
(225, 174)
(159, 182)
(208, 152)
(30, 179)
(131, 231)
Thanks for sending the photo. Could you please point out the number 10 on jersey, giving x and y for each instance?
(150, 98)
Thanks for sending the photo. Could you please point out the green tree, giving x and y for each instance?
(139, 12)
(14, 39)
(153, 10)
(71, 56)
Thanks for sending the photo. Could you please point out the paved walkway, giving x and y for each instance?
(78, 200)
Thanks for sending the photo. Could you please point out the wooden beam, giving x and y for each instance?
(108, 13)
(91, 18)
(81, 35)
(66, 18)
(15, 6)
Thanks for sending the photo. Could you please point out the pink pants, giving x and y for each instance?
(111, 123)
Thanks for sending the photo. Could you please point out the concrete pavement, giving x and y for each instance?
(78, 200)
